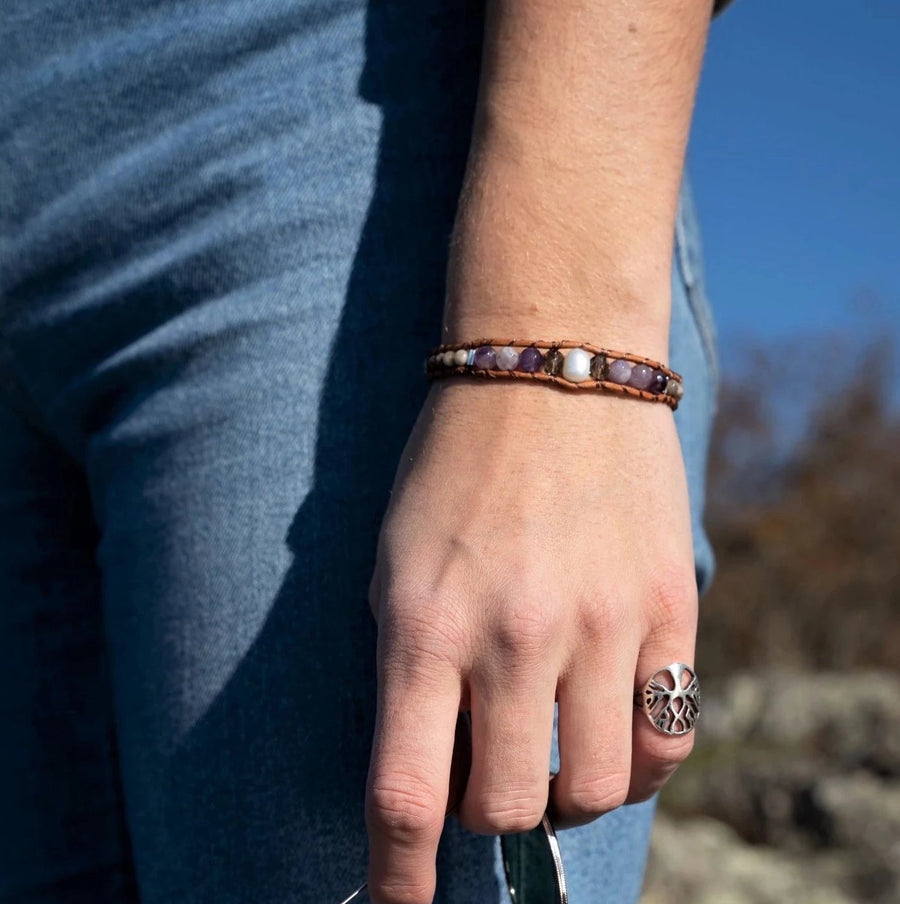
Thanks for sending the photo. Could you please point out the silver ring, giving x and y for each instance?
(671, 699)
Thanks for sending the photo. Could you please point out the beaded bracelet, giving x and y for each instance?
(583, 366)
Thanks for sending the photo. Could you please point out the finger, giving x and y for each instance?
(595, 726)
(512, 735)
(409, 774)
(461, 765)
(656, 756)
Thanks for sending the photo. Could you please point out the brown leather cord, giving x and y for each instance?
(562, 343)
(438, 371)
(591, 384)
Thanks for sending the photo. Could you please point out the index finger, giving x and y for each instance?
(409, 774)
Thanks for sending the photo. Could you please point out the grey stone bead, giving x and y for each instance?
(674, 389)
(599, 367)
(553, 362)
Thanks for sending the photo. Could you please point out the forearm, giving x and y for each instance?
(566, 218)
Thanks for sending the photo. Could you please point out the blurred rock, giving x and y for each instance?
(864, 813)
(701, 861)
(853, 719)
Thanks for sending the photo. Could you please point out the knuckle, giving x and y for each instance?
(660, 764)
(668, 754)
(673, 599)
(592, 796)
(604, 617)
(644, 791)
(659, 771)
(499, 814)
(422, 638)
(404, 809)
(525, 631)
(398, 892)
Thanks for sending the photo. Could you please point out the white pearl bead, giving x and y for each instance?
(461, 356)
(447, 358)
(577, 366)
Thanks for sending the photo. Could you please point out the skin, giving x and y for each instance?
(537, 544)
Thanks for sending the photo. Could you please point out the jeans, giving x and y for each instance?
(223, 239)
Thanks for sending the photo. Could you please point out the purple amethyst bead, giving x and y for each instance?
(641, 376)
(530, 360)
(619, 371)
(485, 357)
(658, 384)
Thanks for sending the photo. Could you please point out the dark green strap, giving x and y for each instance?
(530, 868)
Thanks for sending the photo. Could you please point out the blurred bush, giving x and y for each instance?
(807, 537)
(793, 789)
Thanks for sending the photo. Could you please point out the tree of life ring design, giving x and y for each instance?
(671, 699)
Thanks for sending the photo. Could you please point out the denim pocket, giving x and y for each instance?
(689, 254)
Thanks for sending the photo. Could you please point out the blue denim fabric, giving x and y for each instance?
(223, 231)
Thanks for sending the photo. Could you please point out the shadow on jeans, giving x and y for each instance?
(421, 68)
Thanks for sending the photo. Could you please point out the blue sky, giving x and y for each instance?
(795, 161)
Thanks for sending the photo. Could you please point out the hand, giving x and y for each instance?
(537, 547)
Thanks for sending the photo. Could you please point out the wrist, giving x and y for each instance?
(530, 256)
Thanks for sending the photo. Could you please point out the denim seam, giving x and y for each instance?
(696, 296)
